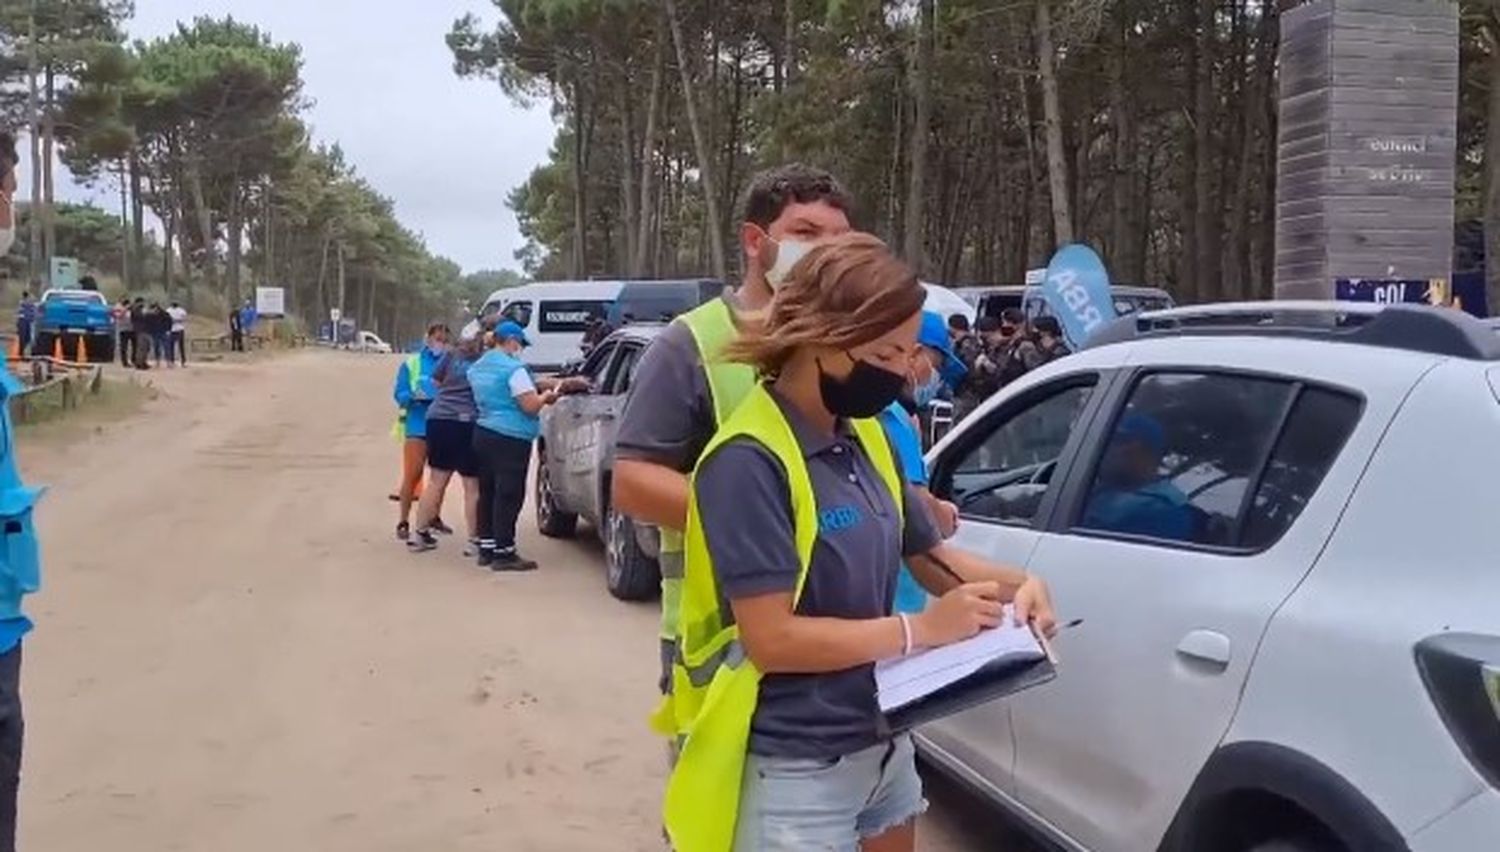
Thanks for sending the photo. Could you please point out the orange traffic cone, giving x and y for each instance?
(57, 347)
(83, 350)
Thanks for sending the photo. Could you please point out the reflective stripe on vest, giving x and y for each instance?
(715, 687)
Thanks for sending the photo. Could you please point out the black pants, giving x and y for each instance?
(178, 352)
(127, 348)
(12, 734)
(236, 340)
(503, 465)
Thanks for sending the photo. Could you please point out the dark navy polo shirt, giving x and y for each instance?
(746, 513)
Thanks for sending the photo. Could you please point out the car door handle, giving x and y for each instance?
(1206, 646)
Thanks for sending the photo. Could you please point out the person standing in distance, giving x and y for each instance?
(450, 446)
(510, 404)
(178, 350)
(26, 321)
(798, 522)
(413, 393)
(683, 390)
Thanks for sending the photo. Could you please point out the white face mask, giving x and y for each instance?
(788, 252)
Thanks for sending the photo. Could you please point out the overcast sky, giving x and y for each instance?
(448, 151)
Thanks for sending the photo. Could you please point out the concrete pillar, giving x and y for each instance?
(1369, 121)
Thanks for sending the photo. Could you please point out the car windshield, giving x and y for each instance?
(655, 302)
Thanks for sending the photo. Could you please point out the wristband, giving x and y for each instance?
(905, 634)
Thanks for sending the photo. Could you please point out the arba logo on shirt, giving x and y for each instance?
(838, 518)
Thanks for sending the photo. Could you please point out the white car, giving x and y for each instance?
(369, 341)
(1277, 522)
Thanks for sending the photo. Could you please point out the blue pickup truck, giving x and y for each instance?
(73, 314)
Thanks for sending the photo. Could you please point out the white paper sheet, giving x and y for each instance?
(900, 682)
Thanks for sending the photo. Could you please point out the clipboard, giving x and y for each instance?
(991, 682)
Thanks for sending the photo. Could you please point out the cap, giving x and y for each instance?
(934, 335)
(1143, 429)
(509, 330)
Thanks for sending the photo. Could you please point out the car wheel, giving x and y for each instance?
(630, 573)
(102, 349)
(550, 520)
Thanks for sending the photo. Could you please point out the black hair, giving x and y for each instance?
(436, 327)
(988, 323)
(772, 191)
(1013, 316)
(958, 323)
(1047, 325)
(26, 294)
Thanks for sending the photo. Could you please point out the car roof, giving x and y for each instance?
(640, 332)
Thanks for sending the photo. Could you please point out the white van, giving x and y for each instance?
(555, 315)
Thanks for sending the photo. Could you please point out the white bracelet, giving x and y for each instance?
(905, 634)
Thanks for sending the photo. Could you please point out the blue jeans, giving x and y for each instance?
(797, 804)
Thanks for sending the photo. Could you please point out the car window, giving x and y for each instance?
(1003, 471)
(518, 313)
(1188, 447)
(1315, 433)
(623, 370)
(593, 367)
(571, 315)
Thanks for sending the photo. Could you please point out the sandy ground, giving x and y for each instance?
(233, 654)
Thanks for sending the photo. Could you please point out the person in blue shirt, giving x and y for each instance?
(1130, 495)
(414, 392)
(935, 368)
(19, 576)
(510, 403)
(25, 321)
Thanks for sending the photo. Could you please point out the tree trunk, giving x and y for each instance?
(205, 227)
(125, 229)
(322, 290)
(648, 159)
(49, 145)
(789, 43)
(628, 198)
(700, 144)
(1057, 158)
(1187, 194)
(1209, 222)
(921, 133)
(1492, 185)
(41, 267)
(1123, 262)
(234, 234)
(168, 233)
(580, 184)
(137, 221)
(343, 280)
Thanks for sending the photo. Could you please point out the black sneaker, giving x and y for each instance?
(423, 542)
(403, 531)
(441, 528)
(512, 562)
(486, 557)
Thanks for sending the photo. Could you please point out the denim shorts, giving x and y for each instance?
(802, 805)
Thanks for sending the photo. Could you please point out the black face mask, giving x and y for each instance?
(865, 392)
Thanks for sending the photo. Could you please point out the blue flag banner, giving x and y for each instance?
(1077, 291)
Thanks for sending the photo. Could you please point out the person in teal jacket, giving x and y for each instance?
(415, 391)
(19, 576)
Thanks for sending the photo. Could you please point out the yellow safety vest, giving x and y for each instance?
(715, 686)
(414, 380)
(712, 327)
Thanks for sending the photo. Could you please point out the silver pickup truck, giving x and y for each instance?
(576, 452)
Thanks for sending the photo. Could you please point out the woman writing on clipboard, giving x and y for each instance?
(798, 523)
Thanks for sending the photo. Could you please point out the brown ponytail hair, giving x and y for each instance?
(846, 292)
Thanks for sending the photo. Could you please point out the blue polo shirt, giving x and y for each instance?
(910, 596)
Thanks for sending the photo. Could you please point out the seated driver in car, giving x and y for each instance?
(1130, 495)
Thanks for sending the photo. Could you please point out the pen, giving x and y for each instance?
(1042, 640)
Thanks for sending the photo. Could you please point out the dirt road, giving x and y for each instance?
(232, 653)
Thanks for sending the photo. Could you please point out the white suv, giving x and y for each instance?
(1280, 524)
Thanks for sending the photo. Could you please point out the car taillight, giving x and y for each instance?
(1462, 674)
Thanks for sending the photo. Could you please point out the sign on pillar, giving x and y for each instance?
(1368, 130)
